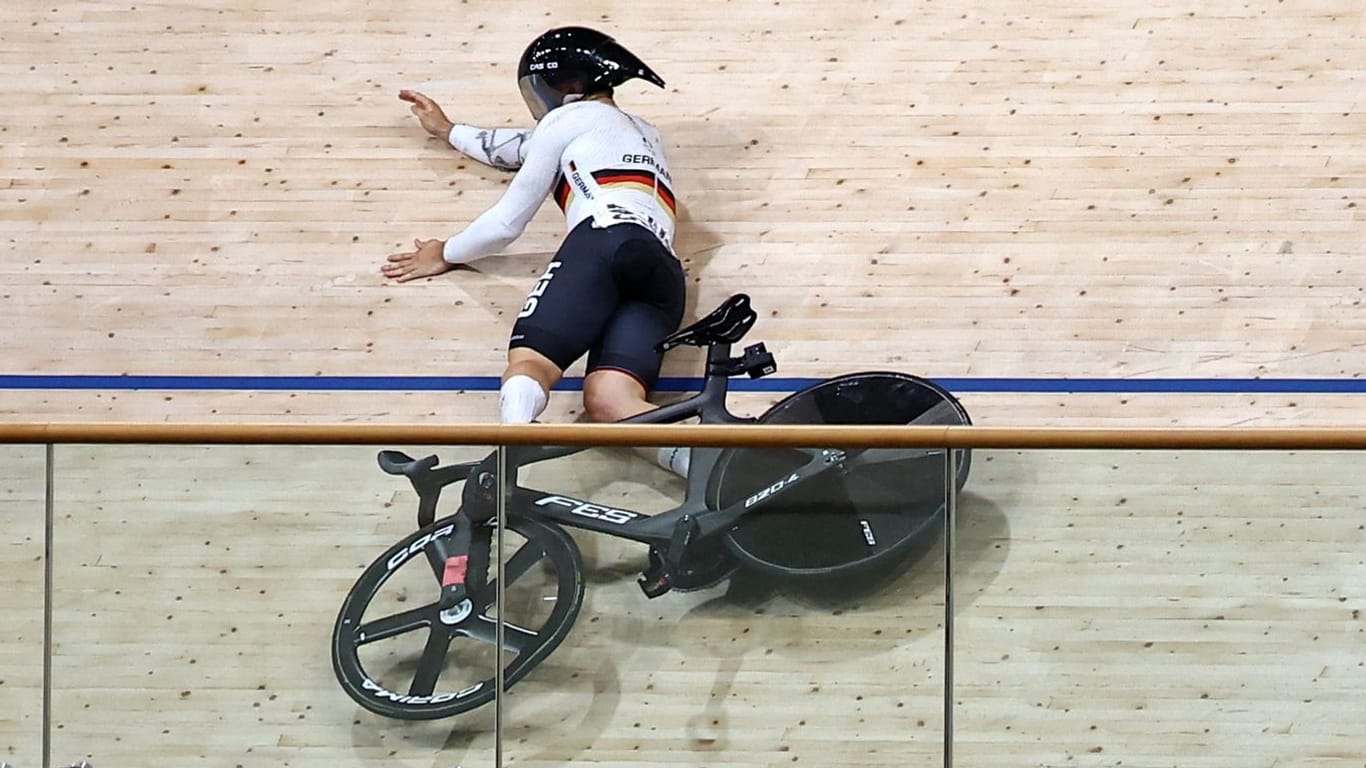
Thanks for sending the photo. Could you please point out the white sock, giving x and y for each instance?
(675, 460)
(521, 400)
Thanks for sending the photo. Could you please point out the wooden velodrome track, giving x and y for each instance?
(1011, 191)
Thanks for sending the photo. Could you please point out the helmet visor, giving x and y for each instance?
(539, 95)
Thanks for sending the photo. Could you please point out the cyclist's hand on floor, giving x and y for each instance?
(429, 113)
(425, 261)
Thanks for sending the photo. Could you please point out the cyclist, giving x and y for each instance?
(614, 288)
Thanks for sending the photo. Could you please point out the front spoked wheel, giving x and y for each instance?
(397, 653)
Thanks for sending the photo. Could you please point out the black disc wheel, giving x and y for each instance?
(881, 507)
(397, 653)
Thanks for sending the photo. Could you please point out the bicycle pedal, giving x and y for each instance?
(654, 587)
(656, 580)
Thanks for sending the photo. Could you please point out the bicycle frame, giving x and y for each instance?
(694, 519)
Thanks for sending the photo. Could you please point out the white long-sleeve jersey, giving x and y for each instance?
(600, 162)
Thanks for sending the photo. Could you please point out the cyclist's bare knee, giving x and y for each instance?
(610, 395)
(523, 361)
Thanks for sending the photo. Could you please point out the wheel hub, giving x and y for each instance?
(462, 611)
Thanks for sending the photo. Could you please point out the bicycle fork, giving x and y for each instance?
(460, 566)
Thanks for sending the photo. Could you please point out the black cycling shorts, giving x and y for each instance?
(612, 293)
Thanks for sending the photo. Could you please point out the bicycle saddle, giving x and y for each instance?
(726, 324)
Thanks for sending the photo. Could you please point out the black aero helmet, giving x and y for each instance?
(567, 62)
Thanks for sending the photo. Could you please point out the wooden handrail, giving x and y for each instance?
(1155, 438)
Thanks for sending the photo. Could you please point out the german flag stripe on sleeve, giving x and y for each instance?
(562, 192)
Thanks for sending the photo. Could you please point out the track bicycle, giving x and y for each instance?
(416, 636)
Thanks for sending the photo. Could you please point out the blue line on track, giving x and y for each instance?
(1183, 386)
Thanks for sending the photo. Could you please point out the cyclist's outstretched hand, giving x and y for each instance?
(428, 112)
(426, 260)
